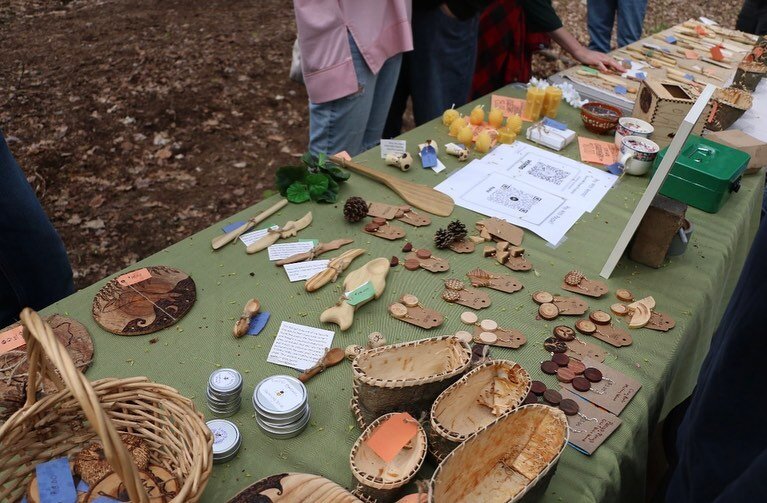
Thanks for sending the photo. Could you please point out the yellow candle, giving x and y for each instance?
(534, 103)
(465, 135)
(456, 125)
(484, 141)
(514, 123)
(506, 135)
(551, 101)
(495, 118)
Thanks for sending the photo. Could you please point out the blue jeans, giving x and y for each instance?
(438, 72)
(601, 18)
(355, 123)
(34, 269)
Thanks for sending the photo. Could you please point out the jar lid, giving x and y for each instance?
(280, 395)
(225, 381)
(226, 438)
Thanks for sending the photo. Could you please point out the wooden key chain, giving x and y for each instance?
(567, 306)
(456, 293)
(576, 282)
(379, 227)
(423, 259)
(503, 283)
(410, 310)
(600, 325)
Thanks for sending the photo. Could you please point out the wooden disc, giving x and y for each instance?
(147, 306)
(548, 311)
(619, 309)
(624, 295)
(398, 310)
(72, 334)
(585, 327)
(600, 317)
(541, 297)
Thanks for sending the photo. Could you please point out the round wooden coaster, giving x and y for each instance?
(147, 306)
(14, 365)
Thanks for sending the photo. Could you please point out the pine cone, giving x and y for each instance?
(457, 229)
(355, 209)
(442, 238)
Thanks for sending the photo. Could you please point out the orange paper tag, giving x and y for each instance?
(131, 278)
(701, 31)
(596, 151)
(716, 53)
(392, 435)
(343, 155)
(11, 339)
(691, 54)
(509, 106)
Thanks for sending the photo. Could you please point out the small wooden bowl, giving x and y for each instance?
(600, 118)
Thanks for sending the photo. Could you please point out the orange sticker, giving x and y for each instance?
(691, 54)
(701, 31)
(133, 277)
(596, 151)
(392, 435)
(716, 53)
(11, 339)
(343, 155)
(509, 106)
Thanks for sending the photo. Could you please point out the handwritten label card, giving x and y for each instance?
(54, 481)
(133, 277)
(298, 346)
(391, 436)
(361, 294)
(509, 106)
(11, 339)
(396, 147)
(617, 389)
(285, 250)
(596, 151)
(305, 270)
(251, 237)
(587, 435)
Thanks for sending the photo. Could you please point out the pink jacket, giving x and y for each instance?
(381, 29)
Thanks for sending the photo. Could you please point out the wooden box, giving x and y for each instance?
(665, 105)
(659, 225)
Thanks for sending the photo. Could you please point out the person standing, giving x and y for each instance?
(753, 17)
(351, 52)
(601, 18)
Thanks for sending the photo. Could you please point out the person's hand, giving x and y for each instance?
(601, 61)
(446, 10)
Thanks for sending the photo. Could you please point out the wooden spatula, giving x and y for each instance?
(415, 194)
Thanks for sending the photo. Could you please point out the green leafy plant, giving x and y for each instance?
(316, 178)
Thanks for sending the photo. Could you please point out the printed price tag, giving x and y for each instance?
(54, 481)
(133, 277)
(362, 293)
(11, 339)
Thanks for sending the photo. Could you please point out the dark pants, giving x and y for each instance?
(437, 73)
(34, 269)
(601, 18)
(753, 17)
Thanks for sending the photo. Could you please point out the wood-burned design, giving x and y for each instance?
(576, 282)
(292, 488)
(147, 306)
(504, 337)
(503, 283)
(456, 292)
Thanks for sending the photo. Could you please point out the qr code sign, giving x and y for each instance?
(514, 199)
(548, 173)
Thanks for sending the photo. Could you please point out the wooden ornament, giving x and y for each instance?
(335, 267)
(146, 306)
(352, 350)
(14, 366)
(501, 230)
(640, 315)
(231, 236)
(581, 349)
(503, 255)
(600, 317)
(576, 282)
(456, 292)
(169, 483)
(385, 231)
(252, 307)
(417, 314)
(505, 337)
(288, 230)
(463, 246)
(613, 336)
(570, 306)
(503, 283)
(431, 264)
(661, 322)
(342, 314)
(294, 488)
(624, 295)
(649, 302)
(315, 252)
(619, 309)
(548, 311)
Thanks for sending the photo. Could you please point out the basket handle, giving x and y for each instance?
(41, 343)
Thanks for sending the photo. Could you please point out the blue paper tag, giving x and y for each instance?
(83, 487)
(428, 156)
(314, 242)
(548, 121)
(232, 226)
(620, 90)
(105, 499)
(641, 75)
(614, 168)
(689, 76)
(362, 293)
(55, 483)
(258, 322)
(671, 39)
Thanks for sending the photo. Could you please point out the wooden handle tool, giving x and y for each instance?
(231, 236)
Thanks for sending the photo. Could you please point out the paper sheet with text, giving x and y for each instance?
(299, 346)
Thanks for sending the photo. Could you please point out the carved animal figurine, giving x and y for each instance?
(250, 310)
(401, 161)
(375, 271)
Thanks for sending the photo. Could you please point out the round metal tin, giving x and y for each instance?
(280, 396)
(226, 439)
(285, 431)
(225, 382)
(279, 421)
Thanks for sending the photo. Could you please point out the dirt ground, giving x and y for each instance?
(140, 122)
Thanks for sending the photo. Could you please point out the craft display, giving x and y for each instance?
(376, 340)
(370, 279)
(604, 331)
(381, 228)
(288, 230)
(401, 161)
(378, 479)
(456, 293)
(403, 213)
(355, 209)
(294, 488)
(484, 141)
(315, 252)
(252, 307)
(488, 332)
(223, 395)
(230, 237)
(576, 282)
(504, 460)
(406, 377)
(508, 255)
(423, 259)
(474, 401)
(352, 350)
(603, 386)
(550, 134)
(410, 310)
(65, 422)
(144, 300)
(335, 267)
(503, 283)
(643, 315)
(282, 406)
(566, 306)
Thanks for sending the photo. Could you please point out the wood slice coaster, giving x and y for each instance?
(570, 306)
(13, 376)
(613, 336)
(661, 322)
(147, 306)
(502, 230)
(463, 246)
(580, 349)
(431, 264)
(503, 283)
(506, 337)
(591, 288)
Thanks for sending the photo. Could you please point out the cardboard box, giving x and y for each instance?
(734, 138)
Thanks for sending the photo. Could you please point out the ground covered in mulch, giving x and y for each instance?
(140, 122)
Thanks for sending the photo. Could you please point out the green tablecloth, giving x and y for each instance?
(693, 288)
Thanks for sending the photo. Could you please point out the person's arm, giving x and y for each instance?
(603, 62)
(463, 9)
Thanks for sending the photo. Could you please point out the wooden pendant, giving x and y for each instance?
(505, 337)
(402, 213)
(146, 306)
(501, 230)
(431, 263)
(410, 310)
(580, 349)
(456, 292)
(576, 282)
(342, 314)
(613, 336)
(289, 230)
(511, 256)
(660, 322)
(384, 230)
(570, 306)
(481, 278)
(463, 246)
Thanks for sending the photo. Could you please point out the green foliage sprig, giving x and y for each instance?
(316, 178)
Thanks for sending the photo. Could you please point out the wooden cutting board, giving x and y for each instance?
(147, 306)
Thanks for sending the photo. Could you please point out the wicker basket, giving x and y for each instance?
(505, 460)
(407, 377)
(295, 488)
(62, 423)
(380, 481)
(729, 105)
(748, 75)
(460, 410)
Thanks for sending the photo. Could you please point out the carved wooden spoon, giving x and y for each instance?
(332, 357)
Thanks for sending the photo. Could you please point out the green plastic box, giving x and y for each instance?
(704, 174)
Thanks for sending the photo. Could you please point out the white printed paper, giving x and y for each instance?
(251, 237)
(397, 147)
(298, 346)
(305, 270)
(285, 250)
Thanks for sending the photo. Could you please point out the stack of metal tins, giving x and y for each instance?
(282, 406)
(223, 395)
(226, 440)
